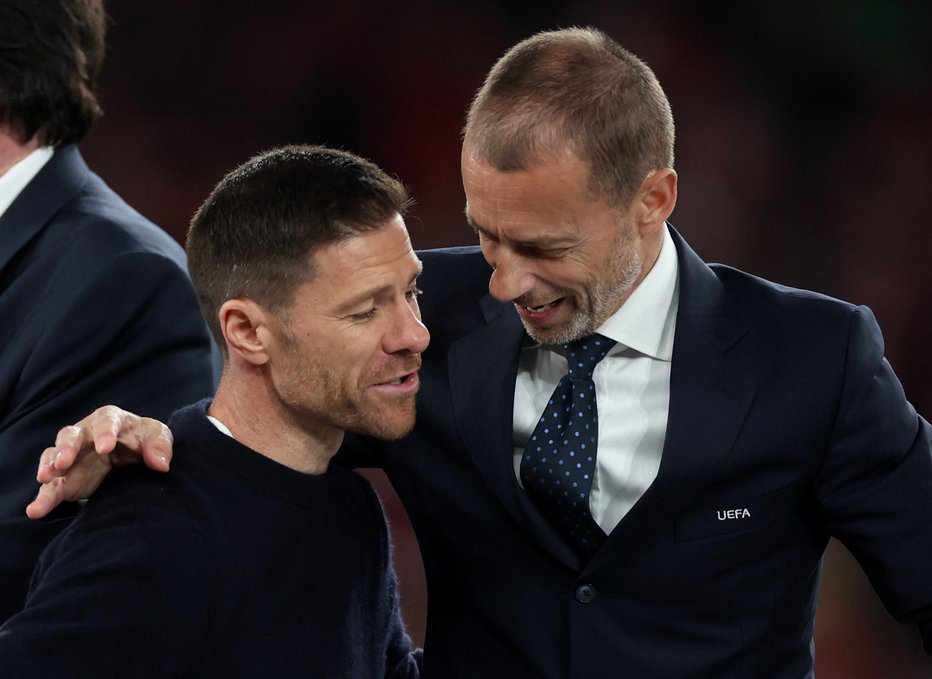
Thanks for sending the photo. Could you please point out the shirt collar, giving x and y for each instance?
(646, 321)
(14, 180)
(220, 426)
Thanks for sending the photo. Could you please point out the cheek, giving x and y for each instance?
(567, 273)
(348, 363)
(357, 360)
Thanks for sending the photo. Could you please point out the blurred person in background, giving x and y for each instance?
(125, 328)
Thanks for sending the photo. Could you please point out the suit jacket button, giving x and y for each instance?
(586, 594)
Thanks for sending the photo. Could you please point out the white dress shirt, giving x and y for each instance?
(632, 385)
(14, 180)
(221, 427)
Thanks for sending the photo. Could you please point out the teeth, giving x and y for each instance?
(542, 307)
(396, 381)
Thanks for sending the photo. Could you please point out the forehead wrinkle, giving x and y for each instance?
(524, 221)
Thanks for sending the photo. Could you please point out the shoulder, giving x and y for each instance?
(148, 507)
(759, 297)
(448, 269)
(454, 281)
(358, 494)
(744, 297)
(182, 499)
(98, 221)
(131, 566)
(800, 331)
(141, 527)
(88, 218)
(110, 261)
(783, 327)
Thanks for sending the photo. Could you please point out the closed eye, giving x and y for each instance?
(363, 315)
(536, 252)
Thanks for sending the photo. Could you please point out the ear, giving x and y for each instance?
(245, 326)
(656, 199)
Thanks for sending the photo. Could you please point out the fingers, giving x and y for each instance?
(99, 431)
(85, 452)
(95, 433)
(50, 495)
(155, 441)
(48, 470)
(126, 437)
(107, 425)
(114, 436)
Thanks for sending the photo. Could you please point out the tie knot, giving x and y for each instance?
(583, 355)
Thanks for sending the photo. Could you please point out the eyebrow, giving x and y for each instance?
(542, 243)
(378, 291)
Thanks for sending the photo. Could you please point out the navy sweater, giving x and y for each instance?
(232, 565)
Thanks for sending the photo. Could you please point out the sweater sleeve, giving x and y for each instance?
(125, 591)
(401, 661)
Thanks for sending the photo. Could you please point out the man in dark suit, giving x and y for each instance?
(95, 300)
(738, 423)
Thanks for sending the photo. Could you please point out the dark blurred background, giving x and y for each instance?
(804, 153)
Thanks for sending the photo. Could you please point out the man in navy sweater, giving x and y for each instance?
(256, 557)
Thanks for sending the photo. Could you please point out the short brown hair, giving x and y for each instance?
(578, 90)
(256, 233)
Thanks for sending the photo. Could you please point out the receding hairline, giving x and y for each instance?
(574, 90)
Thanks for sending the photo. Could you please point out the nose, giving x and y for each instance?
(408, 334)
(510, 279)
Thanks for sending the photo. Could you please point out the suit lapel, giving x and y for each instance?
(56, 183)
(483, 367)
(712, 384)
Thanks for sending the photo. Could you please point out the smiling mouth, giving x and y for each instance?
(399, 380)
(541, 307)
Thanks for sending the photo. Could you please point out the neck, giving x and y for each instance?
(12, 150)
(258, 420)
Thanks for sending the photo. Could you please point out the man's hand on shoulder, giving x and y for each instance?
(84, 454)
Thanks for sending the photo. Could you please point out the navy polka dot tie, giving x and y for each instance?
(559, 459)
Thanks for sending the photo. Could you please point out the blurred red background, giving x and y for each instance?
(804, 153)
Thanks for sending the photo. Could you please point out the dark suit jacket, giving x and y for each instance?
(95, 307)
(786, 426)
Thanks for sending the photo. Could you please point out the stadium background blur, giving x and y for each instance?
(804, 150)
